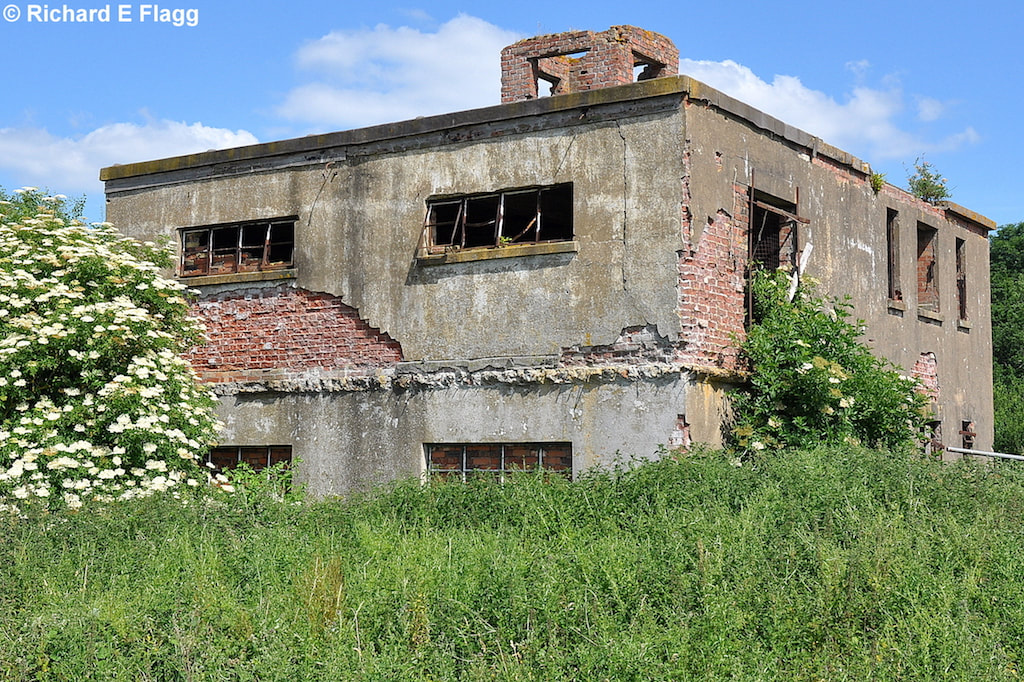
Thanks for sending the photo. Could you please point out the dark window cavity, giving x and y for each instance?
(961, 278)
(514, 216)
(892, 243)
(226, 457)
(237, 247)
(927, 269)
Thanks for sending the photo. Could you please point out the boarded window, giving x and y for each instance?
(237, 247)
(961, 279)
(528, 215)
(497, 459)
(927, 269)
(257, 457)
(892, 243)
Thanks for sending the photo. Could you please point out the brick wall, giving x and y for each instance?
(584, 60)
(711, 288)
(926, 370)
(286, 330)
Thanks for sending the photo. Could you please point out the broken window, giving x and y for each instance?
(237, 247)
(892, 242)
(773, 237)
(968, 434)
(515, 216)
(961, 279)
(226, 457)
(497, 459)
(927, 272)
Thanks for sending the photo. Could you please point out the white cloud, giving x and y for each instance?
(930, 109)
(71, 165)
(868, 123)
(389, 74)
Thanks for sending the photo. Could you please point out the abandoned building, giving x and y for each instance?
(557, 280)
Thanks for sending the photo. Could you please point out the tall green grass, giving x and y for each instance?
(823, 565)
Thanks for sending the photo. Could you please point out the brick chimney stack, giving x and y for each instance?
(583, 60)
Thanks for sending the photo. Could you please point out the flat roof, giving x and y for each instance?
(676, 88)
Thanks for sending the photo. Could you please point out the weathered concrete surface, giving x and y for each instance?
(530, 346)
(349, 440)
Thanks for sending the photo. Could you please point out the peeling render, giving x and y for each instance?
(421, 300)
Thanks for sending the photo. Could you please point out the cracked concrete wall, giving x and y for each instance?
(359, 223)
(850, 256)
(350, 440)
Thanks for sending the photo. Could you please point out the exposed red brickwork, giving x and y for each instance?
(608, 59)
(292, 330)
(711, 288)
(926, 370)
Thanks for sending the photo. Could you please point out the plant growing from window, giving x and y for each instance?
(813, 382)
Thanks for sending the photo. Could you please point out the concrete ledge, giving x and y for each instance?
(239, 277)
(967, 214)
(930, 315)
(489, 253)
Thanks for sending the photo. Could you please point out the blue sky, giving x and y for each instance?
(886, 81)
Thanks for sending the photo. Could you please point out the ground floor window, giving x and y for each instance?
(225, 457)
(497, 459)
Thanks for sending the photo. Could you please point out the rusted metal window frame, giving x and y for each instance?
(500, 236)
(503, 469)
(235, 253)
(274, 455)
(788, 217)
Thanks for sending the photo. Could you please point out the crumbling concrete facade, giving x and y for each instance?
(557, 279)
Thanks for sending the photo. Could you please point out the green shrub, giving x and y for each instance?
(925, 183)
(813, 382)
(96, 402)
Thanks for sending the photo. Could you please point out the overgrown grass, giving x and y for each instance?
(822, 565)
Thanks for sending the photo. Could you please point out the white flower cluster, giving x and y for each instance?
(96, 402)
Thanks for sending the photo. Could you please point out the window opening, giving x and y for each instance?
(967, 433)
(961, 279)
(515, 216)
(773, 237)
(927, 272)
(554, 74)
(646, 69)
(933, 438)
(892, 242)
(237, 247)
(547, 86)
(463, 460)
(227, 457)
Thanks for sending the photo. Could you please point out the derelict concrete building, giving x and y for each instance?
(556, 279)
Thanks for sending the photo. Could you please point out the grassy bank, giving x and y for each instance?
(828, 565)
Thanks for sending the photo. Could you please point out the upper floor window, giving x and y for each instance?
(237, 247)
(927, 269)
(513, 216)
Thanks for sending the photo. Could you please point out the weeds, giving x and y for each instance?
(832, 564)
